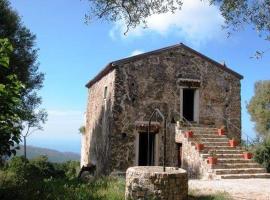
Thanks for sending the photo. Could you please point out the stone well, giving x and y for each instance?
(150, 182)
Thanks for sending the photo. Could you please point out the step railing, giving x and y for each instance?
(248, 140)
(195, 139)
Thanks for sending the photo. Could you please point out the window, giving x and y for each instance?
(105, 92)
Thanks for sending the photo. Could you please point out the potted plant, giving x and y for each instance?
(233, 142)
(188, 134)
(212, 158)
(221, 130)
(247, 155)
(199, 146)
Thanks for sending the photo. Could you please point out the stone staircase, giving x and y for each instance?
(230, 164)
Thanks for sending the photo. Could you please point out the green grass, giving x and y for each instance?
(106, 188)
(196, 195)
(54, 189)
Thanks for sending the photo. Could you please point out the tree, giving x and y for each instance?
(22, 70)
(10, 104)
(259, 108)
(23, 60)
(237, 13)
(32, 122)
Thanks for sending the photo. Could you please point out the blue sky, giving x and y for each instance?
(71, 53)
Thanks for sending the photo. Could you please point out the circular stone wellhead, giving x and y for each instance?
(150, 182)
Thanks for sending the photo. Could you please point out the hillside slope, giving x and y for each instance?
(53, 155)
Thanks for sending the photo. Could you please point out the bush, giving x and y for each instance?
(23, 170)
(262, 154)
(69, 168)
(39, 179)
(46, 169)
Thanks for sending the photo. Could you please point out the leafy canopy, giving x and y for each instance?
(259, 107)
(19, 79)
(10, 102)
(237, 13)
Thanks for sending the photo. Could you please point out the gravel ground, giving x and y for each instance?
(248, 189)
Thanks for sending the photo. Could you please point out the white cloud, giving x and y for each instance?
(136, 52)
(196, 22)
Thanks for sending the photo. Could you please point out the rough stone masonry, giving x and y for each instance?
(124, 94)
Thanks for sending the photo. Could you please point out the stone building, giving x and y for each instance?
(179, 81)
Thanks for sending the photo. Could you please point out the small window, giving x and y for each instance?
(105, 92)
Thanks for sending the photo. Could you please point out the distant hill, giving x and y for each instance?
(53, 155)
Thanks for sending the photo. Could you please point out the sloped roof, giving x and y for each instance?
(110, 66)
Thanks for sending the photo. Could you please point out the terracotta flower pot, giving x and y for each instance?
(212, 160)
(233, 143)
(188, 134)
(221, 131)
(247, 155)
(199, 146)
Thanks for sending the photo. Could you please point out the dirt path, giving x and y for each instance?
(248, 189)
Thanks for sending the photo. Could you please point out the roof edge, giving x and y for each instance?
(102, 73)
(110, 66)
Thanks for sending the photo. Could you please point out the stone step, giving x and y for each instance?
(229, 151)
(245, 176)
(197, 131)
(212, 132)
(236, 165)
(217, 139)
(206, 136)
(221, 151)
(199, 128)
(214, 144)
(224, 155)
(234, 160)
(221, 147)
(240, 171)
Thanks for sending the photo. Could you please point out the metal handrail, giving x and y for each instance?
(248, 139)
(164, 139)
(190, 125)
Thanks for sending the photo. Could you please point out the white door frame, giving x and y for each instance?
(196, 108)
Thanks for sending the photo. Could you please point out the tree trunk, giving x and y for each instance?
(24, 146)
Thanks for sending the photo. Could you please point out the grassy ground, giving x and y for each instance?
(197, 195)
(100, 189)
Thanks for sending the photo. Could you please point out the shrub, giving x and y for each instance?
(46, 169)
(262, 154)
(69, 168)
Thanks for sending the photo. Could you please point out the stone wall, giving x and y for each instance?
(153, 183)
(192, 162)
(96, 140)
(139, 86)
(154, 81)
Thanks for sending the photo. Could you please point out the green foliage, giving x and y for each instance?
(10, 104)
(16, 183)
(237, 14)
(196, 195)
(259, 107)
(5, 50)
(82, 130)
(45, 168)
(23, 60)
(19, 80)
(262, 153)
(70, 168)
